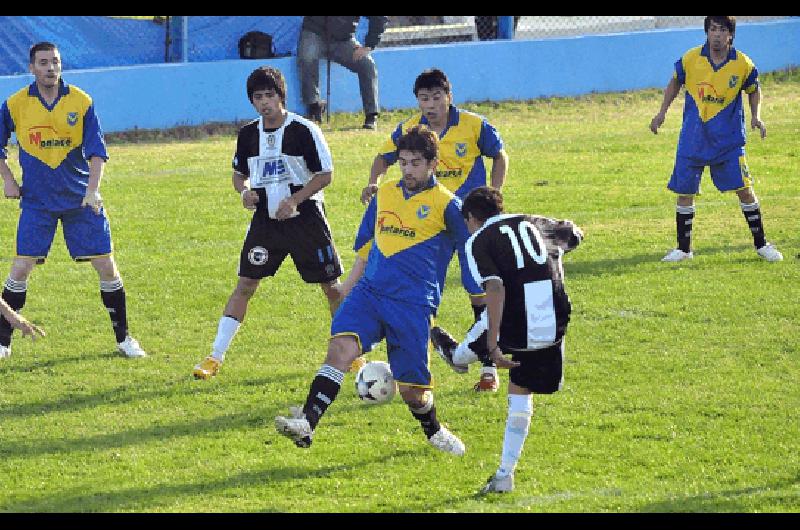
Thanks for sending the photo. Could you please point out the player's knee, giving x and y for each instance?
(746, 195)
(333, 291)
(342, 351)
(21, 269)
(414, 397)
(246, 288)
(685, 200)
(106, 268)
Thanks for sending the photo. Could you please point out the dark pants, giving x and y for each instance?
(313, 47)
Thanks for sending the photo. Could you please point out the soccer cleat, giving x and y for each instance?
(370, 122)
(130, 347)
(497, 484)
(770, 253)
(357, 364)
(677, 254)
(487, 383)
(316, 110)
(448, 442)
(207, 368)
(295, 427)
(5, 351)
(445, 345)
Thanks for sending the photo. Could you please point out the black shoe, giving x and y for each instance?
(315, 111)
(371, 122)
(445, 346)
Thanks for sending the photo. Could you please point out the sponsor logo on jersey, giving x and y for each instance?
(461, 149)
(389, 223)
(712, 97)
(35, 138)
(72, 118)
(271, 140)
(449, 173)
(258, 255)
(273, 168)
(423, 211)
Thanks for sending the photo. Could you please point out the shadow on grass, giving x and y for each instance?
(153, 433)
(256, 418)
(579, 267)
(163, 495)
(35, 365)
(725, 501)
(116, 396)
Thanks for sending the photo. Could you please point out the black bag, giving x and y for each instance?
(256, 45)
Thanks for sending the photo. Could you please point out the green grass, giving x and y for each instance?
(680, 388)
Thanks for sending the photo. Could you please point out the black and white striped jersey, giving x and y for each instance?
(524, 252)
(280, 161)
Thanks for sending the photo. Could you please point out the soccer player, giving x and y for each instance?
(62, 154)
(713, 132)
(286, 162)
(464, 139)
(408, 222)
(517, 258)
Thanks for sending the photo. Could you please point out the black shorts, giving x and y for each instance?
(541, 371)
(307, 237)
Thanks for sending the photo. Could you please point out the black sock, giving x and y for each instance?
(14, 294)
(113, 295)
(323, 391)
(752, 213)
(684, 217)
(427, 418)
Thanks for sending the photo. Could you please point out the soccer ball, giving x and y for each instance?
(375, 383)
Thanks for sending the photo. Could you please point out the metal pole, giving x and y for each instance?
(505, 27)
(328, 93)
(185, 40)
(167, 40)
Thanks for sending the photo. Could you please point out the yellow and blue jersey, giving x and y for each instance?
(55, 142)
(467, 138)
(713, 115)
(408, 233)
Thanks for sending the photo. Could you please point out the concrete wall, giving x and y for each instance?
(166, 95)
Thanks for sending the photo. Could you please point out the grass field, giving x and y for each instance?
(681, 385)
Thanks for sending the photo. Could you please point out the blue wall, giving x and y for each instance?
(166, 95)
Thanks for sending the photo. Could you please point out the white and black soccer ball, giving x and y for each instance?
(375, 383)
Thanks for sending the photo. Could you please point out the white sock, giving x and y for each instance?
(463, 354)
(520, 409)
(225, 332)
(490, 370)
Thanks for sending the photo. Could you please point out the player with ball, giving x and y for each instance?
(409, 221)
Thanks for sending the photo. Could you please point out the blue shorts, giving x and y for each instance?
(87, 234)
(405, 326)
(729, 172)
(466, 278)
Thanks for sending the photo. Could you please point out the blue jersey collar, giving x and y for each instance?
(407, 194)
(452, 119)
(63, 90)
(706, 52)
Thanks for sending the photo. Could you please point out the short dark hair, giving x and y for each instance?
(266, 78)
(728, 22)
(483, 202)
(430, 79)
(422, 140)
(40, 47)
